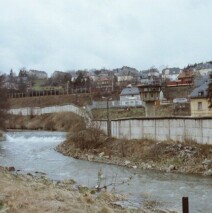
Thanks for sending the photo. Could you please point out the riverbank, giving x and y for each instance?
(28, 193)
(36, 193)
(168, 156)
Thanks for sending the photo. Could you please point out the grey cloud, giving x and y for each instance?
(73, 34)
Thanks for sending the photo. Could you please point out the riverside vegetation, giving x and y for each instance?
(93, 145)
(169, 156)
(36, 193)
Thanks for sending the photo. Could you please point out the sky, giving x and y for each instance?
(63, 35)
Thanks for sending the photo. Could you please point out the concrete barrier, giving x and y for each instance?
(163, 128)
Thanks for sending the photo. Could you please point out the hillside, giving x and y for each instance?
(43, 101)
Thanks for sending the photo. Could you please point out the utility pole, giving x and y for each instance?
(108, 120)
(108, 117)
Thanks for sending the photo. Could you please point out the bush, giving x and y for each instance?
(90, 138)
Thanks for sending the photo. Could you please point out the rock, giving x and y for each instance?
(106, 156)
(11, 168)
(90, 157)
(207, 162)
(2, 136)
(134, 167)
(127, 162)
(101, 154)
(148, 166)
(171, 168)
(40, 173)
(208, 173)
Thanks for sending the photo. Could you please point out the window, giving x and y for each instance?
(199, 106)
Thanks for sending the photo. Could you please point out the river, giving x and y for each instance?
(33, 151)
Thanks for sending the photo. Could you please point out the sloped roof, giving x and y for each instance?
(130, 91)
(172, 71)
(186, 73)
(201, 91)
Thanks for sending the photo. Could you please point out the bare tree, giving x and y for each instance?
(210, 95)
(4, 104)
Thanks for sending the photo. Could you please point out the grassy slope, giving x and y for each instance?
(42, 101)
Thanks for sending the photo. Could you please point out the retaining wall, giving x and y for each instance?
(46, 110)
(174, 128)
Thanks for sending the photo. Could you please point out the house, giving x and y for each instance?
(186, 77)
(149, 77)
(58, 74)
(149, 93)
(104, 84)
(170, 74)
(199, 99)
(130, 96)
(204, 68)
(150, 85)
(125, 75)
(38, 74)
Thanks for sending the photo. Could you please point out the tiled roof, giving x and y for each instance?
(130, 91)
(187, 73)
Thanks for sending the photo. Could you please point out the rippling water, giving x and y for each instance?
(34, 151)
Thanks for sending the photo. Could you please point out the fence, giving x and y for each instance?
(113, 104)
(173, 128)
(48, 92)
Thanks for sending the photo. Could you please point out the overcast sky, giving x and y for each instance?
(77, 34)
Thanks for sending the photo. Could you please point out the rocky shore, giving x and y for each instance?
(2, 137)
(169, 156)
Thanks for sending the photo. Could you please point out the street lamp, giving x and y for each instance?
(108, 117)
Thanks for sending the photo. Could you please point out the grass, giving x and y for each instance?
(44, 101)
(118, 113)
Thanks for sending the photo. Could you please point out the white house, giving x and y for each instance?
(204, 69)
(130, 96)
(170, 73)
(38, 74)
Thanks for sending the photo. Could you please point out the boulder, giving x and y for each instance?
(90, 157)
(207, 162)
(208, 173)
(171, 168)
(127, 162)
(101, 154)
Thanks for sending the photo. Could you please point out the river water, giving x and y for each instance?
(34, 151)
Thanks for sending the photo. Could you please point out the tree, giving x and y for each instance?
(80, 81)
(4, 104)
(210, 94)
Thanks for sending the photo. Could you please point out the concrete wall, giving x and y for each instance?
(177, 129)
(46, 110)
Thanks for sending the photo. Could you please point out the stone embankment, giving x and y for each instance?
(169, 156)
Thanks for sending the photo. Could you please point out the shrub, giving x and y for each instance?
(90, 138)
